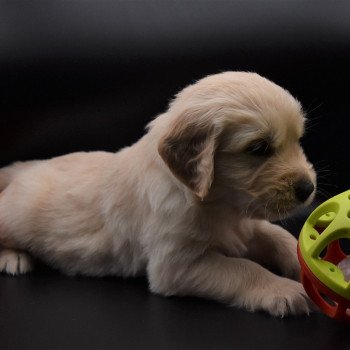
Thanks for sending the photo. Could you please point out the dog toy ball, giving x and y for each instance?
(325, 268)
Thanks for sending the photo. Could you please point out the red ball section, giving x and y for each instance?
(332, 304)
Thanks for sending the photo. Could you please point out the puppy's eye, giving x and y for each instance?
(260, 148)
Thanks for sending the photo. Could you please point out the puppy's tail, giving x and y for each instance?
(4, 179)
(8, 173)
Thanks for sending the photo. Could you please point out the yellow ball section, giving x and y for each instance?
(328, 223)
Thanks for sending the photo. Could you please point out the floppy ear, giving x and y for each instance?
(188, 150)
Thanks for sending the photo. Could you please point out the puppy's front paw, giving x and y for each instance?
(286, 297)
(14, 262)
(290, 267)
(287, 259)
(280, 298)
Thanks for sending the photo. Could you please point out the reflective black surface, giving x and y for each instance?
(45, 310)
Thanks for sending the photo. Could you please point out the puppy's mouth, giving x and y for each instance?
(279, 204)
(271, 211)
(281, 210)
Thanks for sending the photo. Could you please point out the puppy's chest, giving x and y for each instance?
(232, 241)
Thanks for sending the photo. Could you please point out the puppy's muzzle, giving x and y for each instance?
(303, 190)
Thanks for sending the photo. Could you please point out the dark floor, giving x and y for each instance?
(46, 310)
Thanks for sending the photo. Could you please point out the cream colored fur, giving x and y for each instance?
(187, 204)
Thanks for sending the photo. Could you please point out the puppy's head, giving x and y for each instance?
(235, 137)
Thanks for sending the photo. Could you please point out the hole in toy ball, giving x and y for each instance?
(324, 221)
(323, 253)
(344, 266)
(313, 237)
(331, 269)
(319, 229)
(328, 300)
(345, 245)
(332, 253)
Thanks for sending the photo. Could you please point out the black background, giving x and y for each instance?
(89, 75)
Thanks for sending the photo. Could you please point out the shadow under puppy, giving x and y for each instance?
(187, 204)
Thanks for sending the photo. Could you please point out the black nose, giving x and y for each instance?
(303, 189)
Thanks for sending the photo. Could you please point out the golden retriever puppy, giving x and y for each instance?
(189, 204)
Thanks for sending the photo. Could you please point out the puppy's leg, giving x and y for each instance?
(240, 282)
(14, 262)
(274, 246)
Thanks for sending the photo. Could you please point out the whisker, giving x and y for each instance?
(266, 205)
(279, 213)
(284, 216)
(249, 204)
(322, 171)
(309, 111)
(255, 209)
(323, 193)
(327, 184)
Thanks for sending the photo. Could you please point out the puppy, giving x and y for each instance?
(189, 204)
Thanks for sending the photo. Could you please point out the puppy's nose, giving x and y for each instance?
(303, 189)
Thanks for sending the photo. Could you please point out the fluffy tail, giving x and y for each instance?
(4, 179)
(8, 173)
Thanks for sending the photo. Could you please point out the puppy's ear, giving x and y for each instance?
(188, 150)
